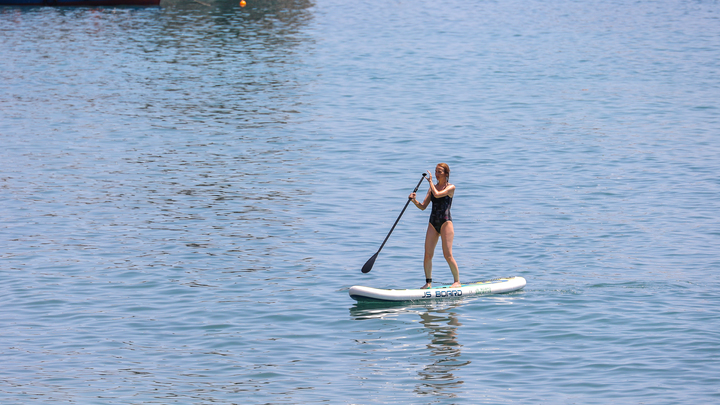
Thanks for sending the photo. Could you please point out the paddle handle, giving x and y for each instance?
(401, 213)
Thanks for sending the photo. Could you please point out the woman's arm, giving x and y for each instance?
(425, 202)
(449, 190)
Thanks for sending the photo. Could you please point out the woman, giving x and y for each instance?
(440, 226)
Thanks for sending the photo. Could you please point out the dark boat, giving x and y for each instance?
(79, 3)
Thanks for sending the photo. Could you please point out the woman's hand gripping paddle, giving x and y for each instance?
(369, 264)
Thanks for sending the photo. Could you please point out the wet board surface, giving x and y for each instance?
(494, 286)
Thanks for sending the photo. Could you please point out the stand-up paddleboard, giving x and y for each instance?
(494, 286)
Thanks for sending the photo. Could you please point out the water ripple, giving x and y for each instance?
(187, 193)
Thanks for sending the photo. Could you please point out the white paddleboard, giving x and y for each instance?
(494, 286)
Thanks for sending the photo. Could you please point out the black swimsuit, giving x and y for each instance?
(440, 211)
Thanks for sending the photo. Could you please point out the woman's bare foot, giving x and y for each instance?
(426, 286)
(456, 285)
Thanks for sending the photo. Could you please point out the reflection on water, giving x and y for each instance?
(229, 65)
(169, 127)
(362, 311)
(438, 376)
(184, 66)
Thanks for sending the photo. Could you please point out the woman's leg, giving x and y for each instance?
(448, 234)
(431, 240)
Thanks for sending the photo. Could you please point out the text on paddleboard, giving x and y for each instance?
(443, 293)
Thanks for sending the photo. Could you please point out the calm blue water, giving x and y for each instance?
(187, 193)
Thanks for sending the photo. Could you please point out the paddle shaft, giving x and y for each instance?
(401, 214)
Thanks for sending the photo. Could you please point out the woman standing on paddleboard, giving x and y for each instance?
(440, 226)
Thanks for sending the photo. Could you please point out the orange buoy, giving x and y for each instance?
(242, 3)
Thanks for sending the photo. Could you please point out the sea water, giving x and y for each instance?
(187, 193)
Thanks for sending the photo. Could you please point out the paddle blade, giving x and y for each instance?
(368, 265)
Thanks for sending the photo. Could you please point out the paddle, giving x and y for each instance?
(369, 264)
